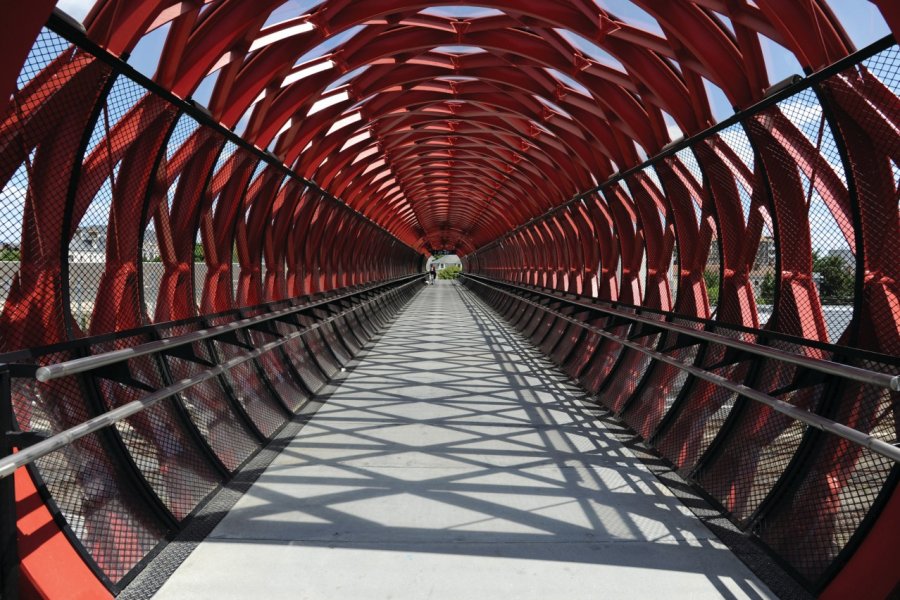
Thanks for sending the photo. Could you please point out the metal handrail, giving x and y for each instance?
(96, 361)
(9, 464)
(861, 438)
(867, 376)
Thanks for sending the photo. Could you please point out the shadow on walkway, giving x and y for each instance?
(457, 451)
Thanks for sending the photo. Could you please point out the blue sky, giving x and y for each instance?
(861, 19)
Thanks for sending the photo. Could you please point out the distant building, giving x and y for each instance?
(150, 247)
(845, 254)
(443, 262)
(88, 245)
(712, 262)
(765, 254)
(763, 266)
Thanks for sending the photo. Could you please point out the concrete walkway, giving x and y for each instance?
(454, 462)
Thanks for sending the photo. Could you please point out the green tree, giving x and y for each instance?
(711, 277)
(9, 253)
(835, 278)
(449, 272)
(767, 289)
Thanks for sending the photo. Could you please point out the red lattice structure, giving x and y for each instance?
(341, 146)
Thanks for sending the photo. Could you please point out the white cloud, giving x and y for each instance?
(674, 131)
(12, 203)
(76, 8)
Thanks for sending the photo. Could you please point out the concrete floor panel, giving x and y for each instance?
(454, 462)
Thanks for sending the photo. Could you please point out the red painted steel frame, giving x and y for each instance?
(427, 132)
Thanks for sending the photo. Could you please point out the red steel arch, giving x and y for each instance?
(517, 135)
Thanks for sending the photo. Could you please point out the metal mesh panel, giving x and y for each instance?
(43, 129)
(602, 361)
(375, 315)
(655, 220)
(707, 241)
(318, 347)
(702, 413)
(747, 232)
(252, 393)
(546, 326)
(166, 453)
(345, 334)
(658, 395)
(569, 339)
(764, 277)
(100, 504)
(332, 339)
(504, 306)
(515, 311)
(299, 355)
(581, 355)
(348, 327)
(739, 207)
(248, 388)
(209, 408)
(864, 100)
(501, 302)
(87, 247)
(762, 442)
(208, 243)
(820, 223)
(687, 437)
(829, 499)
(362, 315)
(523, 315)
(554, 331)
(628, 375)
(711, 276)
(672, 274)
(358, 325)
(505, 303)
(354, 320)
(153, 267)
(757, 450)
(538, 316)
(279, 372)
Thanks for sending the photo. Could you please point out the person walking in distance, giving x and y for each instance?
(433, 274)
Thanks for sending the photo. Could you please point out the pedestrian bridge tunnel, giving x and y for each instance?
(209, 207)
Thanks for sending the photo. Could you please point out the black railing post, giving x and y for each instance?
(9, 554)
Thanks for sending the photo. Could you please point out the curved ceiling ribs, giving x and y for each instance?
(469, 126)
(450, 131)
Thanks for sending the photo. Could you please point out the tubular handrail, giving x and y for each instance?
(861, 438)
(867, 376)
(96, 361)
(9, 464)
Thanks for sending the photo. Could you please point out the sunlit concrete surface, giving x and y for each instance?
(454, 462)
